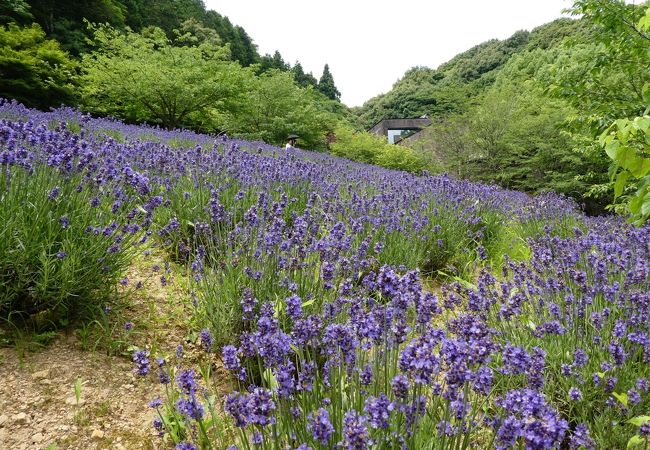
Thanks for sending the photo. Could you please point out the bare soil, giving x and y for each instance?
(38, 401)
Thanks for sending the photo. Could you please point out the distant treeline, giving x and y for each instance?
(527, 112)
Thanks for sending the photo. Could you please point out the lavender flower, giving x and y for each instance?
(318, 423)
(141, 360)
(207, 341)
(355, 432)
(378, 410)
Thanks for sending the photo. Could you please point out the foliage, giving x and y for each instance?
(268, 62)
(273, 107)
(62, 249)
(627, 143)
(143, 77)
(605, 81)
(514, 138)
(303, 79)
(15, 10)
(456, 85)
(64, 21)
(326, 85)
(368, 148)
(33, 69)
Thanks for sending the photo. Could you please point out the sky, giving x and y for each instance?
(369, 44)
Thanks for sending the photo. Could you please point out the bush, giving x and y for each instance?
(371, 149)
(62, 244)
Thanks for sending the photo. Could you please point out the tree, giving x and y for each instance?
(268, 62)
(627, 144)
(143, 77)
(64, 20)
(326, 84)
(368, 148)
(275, 107)
(303, 79)
(15, 11)
(34, 70)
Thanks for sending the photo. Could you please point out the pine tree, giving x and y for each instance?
(303, 79)
(326, 84)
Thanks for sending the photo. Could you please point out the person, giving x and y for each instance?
(291, 142)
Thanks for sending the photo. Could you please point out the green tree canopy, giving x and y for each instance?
(303, 79)
(143, 77)
(15, 11)
(274, 107)
(268, 62)
(34, 70)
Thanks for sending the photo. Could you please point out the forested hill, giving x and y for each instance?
(452, 87)
(66, 21)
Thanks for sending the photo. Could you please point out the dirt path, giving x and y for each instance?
(38, 404)
(38, 407)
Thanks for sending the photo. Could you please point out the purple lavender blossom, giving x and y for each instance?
(54, 193)
(318, 423)
(575, 394)
(400, 385)
(355, 432)
(141, 360)
(294, 307)
(580, 438)
(378, 410)
(207, 341)
(185, 446)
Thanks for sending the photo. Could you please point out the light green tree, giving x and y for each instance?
(143, 77)
(274, 107)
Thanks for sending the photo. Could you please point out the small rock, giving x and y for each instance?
(97, 434)
(128, 386)
(64, 428)
(3, 419)
(38, 437)
(20, 419)
(41, 375)
(73, 401)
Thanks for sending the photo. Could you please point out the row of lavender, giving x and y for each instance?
(303, 267)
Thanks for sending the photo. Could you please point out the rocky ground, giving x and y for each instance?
(38, 401)
(39, 408)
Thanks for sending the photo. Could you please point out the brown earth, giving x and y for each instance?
(38, 403)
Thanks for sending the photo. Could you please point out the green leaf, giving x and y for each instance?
(642, 124)
(621, 398)
(619, 185)
(644, 23)
(271, 381)
(641, 167)
(645, 206)
(635, 441)
(639, 420)
(626, 157)
(612, 149)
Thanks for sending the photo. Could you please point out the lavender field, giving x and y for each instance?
(352, 307)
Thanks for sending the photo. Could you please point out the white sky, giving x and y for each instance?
(369, 44)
